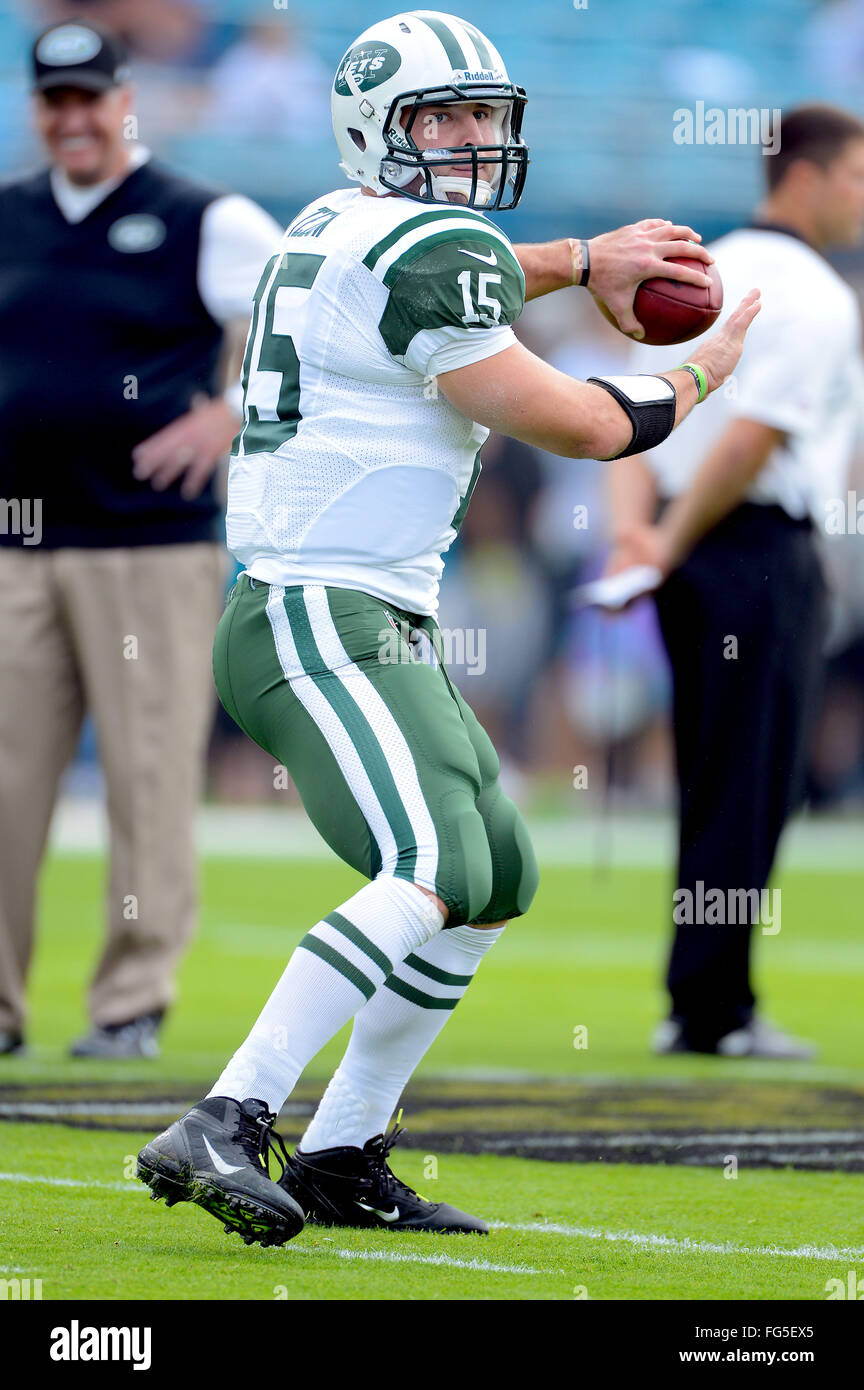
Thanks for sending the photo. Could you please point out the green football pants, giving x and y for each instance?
(395, 771)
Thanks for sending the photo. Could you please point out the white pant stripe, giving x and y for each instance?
(383, 725)
(335, 733)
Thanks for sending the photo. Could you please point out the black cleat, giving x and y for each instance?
(355, 1187)
(217, 1156)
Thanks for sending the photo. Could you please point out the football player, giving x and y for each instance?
(381, 353)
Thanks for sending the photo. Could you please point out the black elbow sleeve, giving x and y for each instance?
(649, 402)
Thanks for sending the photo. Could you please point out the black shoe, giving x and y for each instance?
(121, 1042)
(217, 1156)
(355, 1187)
(11, 1043)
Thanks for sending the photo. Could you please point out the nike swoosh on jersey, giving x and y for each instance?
(487, 260)
(219, 1163)
(385, 1215)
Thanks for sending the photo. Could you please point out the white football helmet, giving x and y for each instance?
(408, 62)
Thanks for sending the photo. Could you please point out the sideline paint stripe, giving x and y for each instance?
(685, 1244)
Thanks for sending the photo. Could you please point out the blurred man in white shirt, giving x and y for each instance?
(743, 605)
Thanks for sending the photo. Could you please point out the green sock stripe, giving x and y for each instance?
(326, 953)
(441, 977)
(452, 47)
(416, 996)
(348, 929)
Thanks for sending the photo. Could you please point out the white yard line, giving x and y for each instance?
(652, 1240)
(447, 1261)
(382, 1256)
(686, 1245)
(72, 1182)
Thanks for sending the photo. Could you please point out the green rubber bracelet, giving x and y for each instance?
(698, 376)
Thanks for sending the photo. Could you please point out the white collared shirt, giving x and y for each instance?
(800, 372)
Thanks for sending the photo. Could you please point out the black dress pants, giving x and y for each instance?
(743, 621)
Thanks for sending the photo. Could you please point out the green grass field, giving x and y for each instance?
(505, 1068)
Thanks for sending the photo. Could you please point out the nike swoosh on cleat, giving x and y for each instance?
(487, 260)
(219, 1163)
(385, 1215)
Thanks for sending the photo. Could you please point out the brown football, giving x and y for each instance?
(672, 312)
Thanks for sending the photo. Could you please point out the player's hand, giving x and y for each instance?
(718, 356)
(639, 543)
(190, 447)
(621, 260)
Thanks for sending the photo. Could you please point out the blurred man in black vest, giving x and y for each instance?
(120, 285)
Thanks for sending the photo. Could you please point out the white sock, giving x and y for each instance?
(337, 966)
(391, 1033)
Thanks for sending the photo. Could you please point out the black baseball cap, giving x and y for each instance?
(78, 54)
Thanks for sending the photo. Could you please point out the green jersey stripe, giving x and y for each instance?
(250, 341)
(326, 953)
(452, 47)
(377, 251)
(278, 354)
(260, 293)
(479, 43)
(420, 248)
(416, 996)
(466, 500)
(348, 929)
(441, 977)
(356, 725)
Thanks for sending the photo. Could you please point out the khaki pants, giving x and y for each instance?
(125, 634)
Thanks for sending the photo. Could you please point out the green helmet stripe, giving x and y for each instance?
(486, 59)
(451, 44)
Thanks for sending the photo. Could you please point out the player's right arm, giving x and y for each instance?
(518, 394)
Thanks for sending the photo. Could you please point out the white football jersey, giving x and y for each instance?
(351, 468)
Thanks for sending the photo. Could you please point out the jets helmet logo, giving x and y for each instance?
(369, 64)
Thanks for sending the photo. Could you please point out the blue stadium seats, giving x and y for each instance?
(604, 83)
